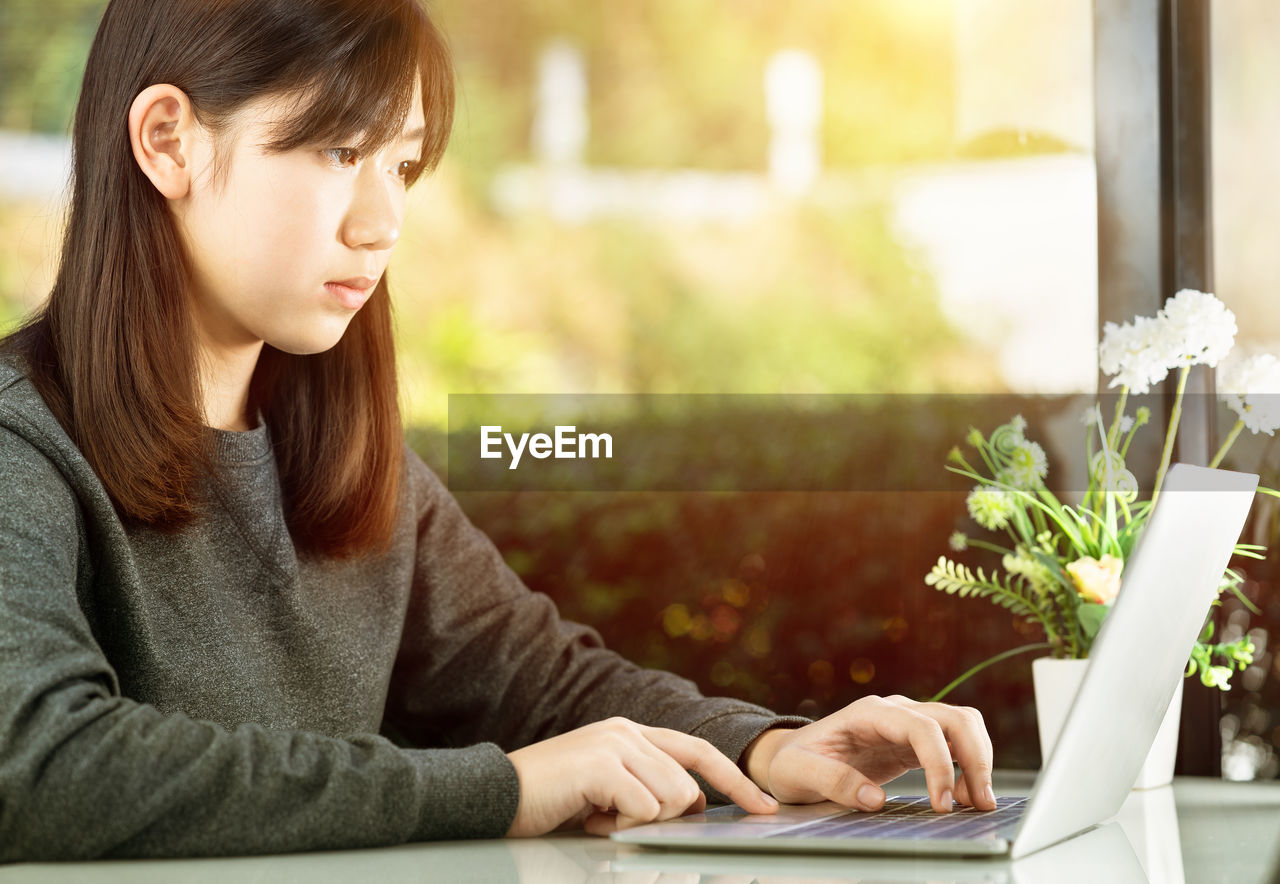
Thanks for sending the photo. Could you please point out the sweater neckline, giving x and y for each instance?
(241, 446)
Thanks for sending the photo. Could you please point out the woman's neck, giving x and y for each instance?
(224, 380)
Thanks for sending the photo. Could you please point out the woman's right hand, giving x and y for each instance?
(616, 773)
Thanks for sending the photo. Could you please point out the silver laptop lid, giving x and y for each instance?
(1140, 653)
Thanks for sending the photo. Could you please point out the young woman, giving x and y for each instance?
(237, 613)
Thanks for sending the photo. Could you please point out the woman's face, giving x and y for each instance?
(286, 247)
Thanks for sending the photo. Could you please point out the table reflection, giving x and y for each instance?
(1149, 818)
(1102, 854)
(1197, 830)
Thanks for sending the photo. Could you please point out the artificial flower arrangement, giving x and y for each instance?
(1062, 565)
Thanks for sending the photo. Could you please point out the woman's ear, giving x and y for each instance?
(163, 132)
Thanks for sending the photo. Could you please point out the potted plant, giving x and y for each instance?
(1061, 564)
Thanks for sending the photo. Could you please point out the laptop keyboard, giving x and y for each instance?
(914, 818)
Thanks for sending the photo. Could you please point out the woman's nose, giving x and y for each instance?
(373, 220)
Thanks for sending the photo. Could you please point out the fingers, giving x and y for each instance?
(836, 781)
(635, 802)
(616, 773)
(938, 724)
(649, 780)
(906, 727)
(693, 753)
(971, 746)
(602, 822)
(665, 779)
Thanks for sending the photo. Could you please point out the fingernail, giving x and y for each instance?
(770, 800)
(991, 796)
(869, 795)
(947, 803)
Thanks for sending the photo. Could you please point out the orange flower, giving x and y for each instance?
(1097, 580)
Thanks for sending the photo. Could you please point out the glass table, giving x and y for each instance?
(1197, 830)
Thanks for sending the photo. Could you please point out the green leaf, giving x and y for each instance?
(954, 578)
(1091, 616)
(1207, 632)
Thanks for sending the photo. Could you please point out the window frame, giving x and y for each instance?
(1153, 149)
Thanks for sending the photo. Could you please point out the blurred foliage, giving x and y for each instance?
(680, 82)
(803, 299)
(657, 97)
(43, 47)
(29, 237)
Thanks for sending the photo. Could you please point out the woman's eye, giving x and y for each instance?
(407, 169)
(342, 156)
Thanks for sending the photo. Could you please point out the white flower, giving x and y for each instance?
(1193, 328)
(1028, 465)
(1136, 354)
(1251, 388)
(1126, 424)
(1089, 417)
(958, 541)
(1198, 329)
(1119, 342)
(990, 507)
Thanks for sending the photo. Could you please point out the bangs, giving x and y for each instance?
(359, 91)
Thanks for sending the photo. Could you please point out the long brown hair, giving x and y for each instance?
(113, 350)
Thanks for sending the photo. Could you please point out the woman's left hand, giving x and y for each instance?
(846, 756)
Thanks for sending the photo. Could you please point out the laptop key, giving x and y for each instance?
(915, 818)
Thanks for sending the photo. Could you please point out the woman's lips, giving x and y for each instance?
(352, 293)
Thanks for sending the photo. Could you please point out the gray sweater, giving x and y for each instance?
(215, 692)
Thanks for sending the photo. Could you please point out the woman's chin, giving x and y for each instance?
(316, 341)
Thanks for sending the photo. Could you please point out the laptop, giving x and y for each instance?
(1137, 659)
(1104, 853)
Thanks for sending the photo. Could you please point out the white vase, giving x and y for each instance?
(1056, 683)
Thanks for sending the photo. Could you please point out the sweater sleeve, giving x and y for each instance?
(86, 772)
(485, 658)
